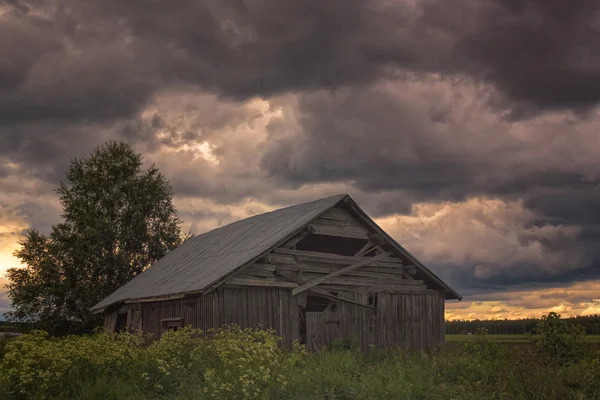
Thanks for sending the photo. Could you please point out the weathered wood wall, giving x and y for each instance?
(133, 317)
(408, 320)
(110, 319)
(245, 306)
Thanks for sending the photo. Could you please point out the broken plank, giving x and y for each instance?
(363, 249)
(300, 280)
(350, 267)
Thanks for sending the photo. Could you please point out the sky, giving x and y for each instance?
(467, 129)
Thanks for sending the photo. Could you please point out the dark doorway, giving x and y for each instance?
(314, 304)
(121, 322)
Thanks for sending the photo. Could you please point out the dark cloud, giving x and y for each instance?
(540, 53)
(392, 103)
(388, 139)
(98, 61)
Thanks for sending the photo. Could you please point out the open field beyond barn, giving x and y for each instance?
(248, 364)
(592, 339)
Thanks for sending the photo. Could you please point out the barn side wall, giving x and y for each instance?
(408, 320)
(245, 306)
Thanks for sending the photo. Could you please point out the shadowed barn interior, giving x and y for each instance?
(314, 272)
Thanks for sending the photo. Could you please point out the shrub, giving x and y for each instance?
(559, 340)
(4, 339)
(242, 363)
(480, 345)
(233, 363)
(342, 344)
(37, 366)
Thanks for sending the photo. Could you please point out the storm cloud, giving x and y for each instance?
(438, 117)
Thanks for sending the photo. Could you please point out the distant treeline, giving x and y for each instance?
(591, 324)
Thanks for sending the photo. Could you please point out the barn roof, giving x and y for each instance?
(206, 259)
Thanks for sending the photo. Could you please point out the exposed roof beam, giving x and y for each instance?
(292, 242)
(362, 263)
(334, 257)
(321, 292)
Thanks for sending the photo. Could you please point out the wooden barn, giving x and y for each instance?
(314, 272)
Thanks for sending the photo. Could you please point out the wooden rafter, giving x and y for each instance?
(337, 258)
(358, 264)
(293, 241)
(376, 249)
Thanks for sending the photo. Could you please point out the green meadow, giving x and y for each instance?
(511, 338)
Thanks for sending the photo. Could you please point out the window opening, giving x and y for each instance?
(171, 324)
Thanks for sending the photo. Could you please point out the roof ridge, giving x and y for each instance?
(340, 195)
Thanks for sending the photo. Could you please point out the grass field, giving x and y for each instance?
(510, 339)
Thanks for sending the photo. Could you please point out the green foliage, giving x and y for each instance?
(235, 363)
(340, 344)
(4, 339)
(229, 363)
(118, 220)
(36, 366)
(482, 346)
(244, 363)
(558, 339)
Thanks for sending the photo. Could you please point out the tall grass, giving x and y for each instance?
(247, 364)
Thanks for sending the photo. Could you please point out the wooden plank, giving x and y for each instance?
(340, 232)
(375, 273)
(326, 268)
(338, 223)
(339, 214)
(331, 259)
(319, 291)
(350, 267)
(274, 258)
(292, 242)
(260, 282)
(363, 249)
(256, 273)
(361, 281)
(335, 258)
(158, 298)
(391, 288)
